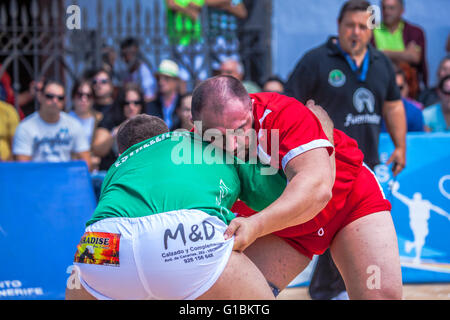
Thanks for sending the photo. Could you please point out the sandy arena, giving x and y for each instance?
(410, 292)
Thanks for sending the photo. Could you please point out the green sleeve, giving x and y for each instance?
(182, 3)
(259, 190)
(200, 3)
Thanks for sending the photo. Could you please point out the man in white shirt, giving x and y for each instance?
(49, 134)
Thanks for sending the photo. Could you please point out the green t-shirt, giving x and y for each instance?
(385, 40)
(176, 171)
(182, 29)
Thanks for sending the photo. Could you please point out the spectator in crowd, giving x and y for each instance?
(404, 44)
(103, 92)
(437, 116)
(235, 68)
(168, 97)
(82, 110)
(6, 90)
(104, 146)
(183, 112)
(184, 31)
(27, 100)
(430, 96)
(130, 103)
(355, 84)
(109, 57)
(413, 109)
(223, 18)
(273, 84)
(136, 70)
(9, 120)
(49, 134)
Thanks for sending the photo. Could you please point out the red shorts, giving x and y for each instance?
(315, 236)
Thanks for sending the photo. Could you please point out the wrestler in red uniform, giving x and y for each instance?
(331, 199)
(356, 192)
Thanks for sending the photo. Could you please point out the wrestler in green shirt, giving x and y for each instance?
(174, 171)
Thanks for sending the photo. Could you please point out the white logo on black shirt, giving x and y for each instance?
(363, 99)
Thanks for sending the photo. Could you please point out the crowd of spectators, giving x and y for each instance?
(102, 99)
(124, 86)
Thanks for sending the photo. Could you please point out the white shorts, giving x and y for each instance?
(173, 255)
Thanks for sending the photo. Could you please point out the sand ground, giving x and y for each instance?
(410, 292)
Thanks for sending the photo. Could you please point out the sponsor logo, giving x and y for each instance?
(363, 100)
(336, 78)
(100, 248)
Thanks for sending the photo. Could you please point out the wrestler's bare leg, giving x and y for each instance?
(240, 280)
(366, 254)
(278, 261)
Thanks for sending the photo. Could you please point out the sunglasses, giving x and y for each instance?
(102, 81)
(80, 95)
(50, 96)
(135, 102)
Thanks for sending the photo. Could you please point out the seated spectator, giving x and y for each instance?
(82, 109)
(26, 100)
(84, 113)
(235, 68)
(273, 84)
(413, 109)
(168, 96)
(9, 120)
(6, 90)
(430, 96)
(49, 134)
(437, 116)
(130, 103)
(183, 112)
(404, 44)
(135, 70)
(109, 57)
(103, 92)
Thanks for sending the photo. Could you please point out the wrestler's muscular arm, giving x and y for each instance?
(307, 193)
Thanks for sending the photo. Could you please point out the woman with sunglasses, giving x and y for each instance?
(104, 91)
(82, 109)
(103, 145)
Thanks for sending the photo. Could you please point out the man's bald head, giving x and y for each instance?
(215, 94)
